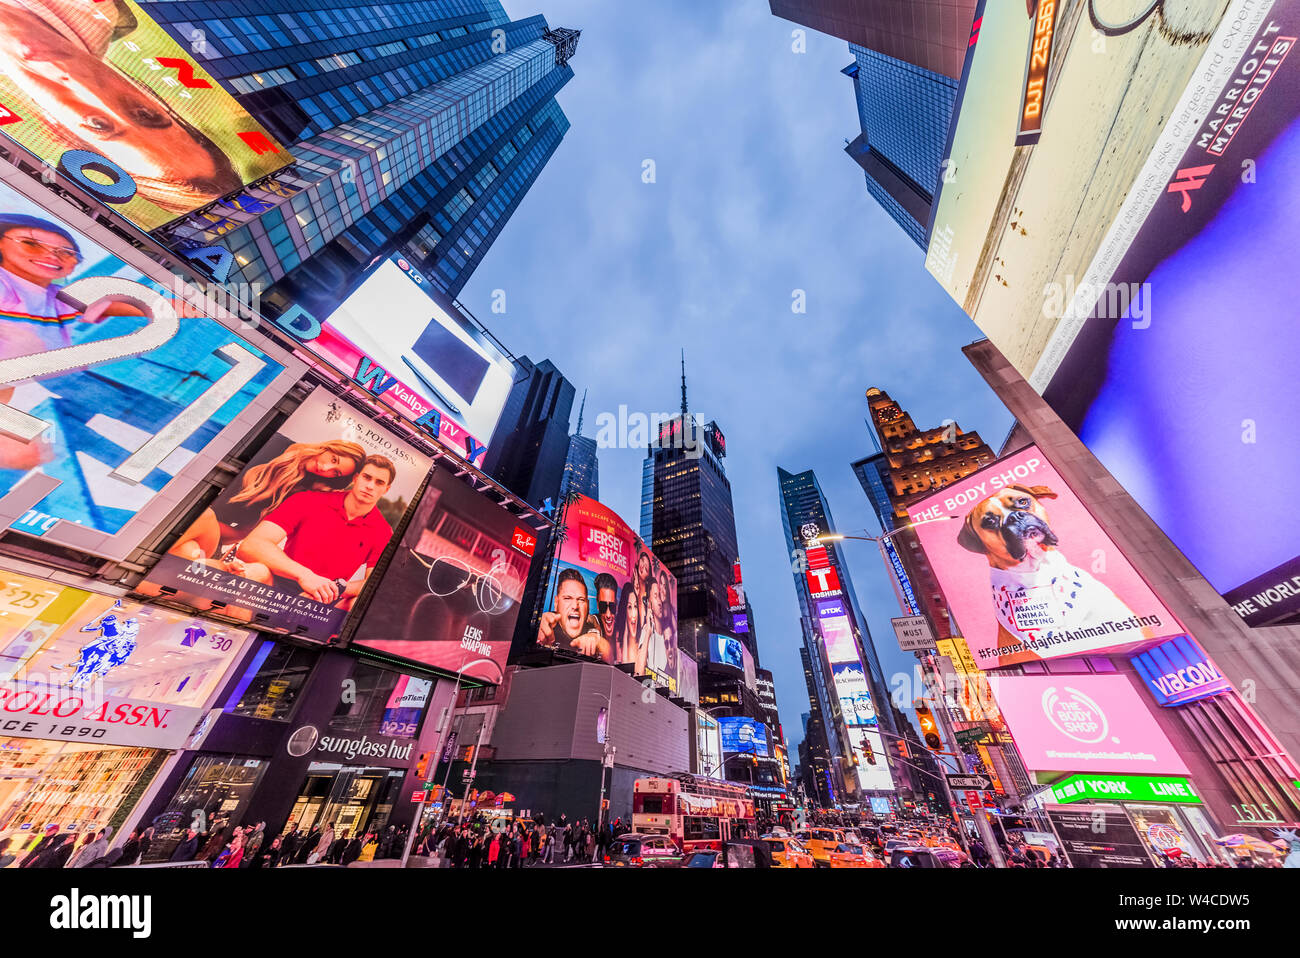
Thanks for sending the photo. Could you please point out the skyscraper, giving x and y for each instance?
(908, 57)
(931, 34)
(847, 678)
(582, 465)
(417, 128)
(531, 444)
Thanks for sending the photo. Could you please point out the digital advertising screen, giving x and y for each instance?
(1027, 571)
(116, 397)
(688, 679)
(450, 596)
(741, 734)
(612, 598)
(1102, 261)
(83, 667)
(729, 651)
(88, 81)
(871, 777)
(854, 693)
(836, 631)
(417, 356)
(289, 544)
(1084, 723)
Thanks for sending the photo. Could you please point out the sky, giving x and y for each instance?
(752, 200)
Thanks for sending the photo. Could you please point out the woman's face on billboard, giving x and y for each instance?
(96, 104)
(37, 255)
(330, 465)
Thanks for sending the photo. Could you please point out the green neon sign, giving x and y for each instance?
(1124, 788)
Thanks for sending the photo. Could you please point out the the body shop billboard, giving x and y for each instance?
(117, 394)
(289, 544)
(612, 597)
(1027, 572)
(98, 90)
(1084, 723)
(1103, 260)
(78, 666)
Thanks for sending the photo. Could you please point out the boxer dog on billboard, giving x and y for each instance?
(1040, 598)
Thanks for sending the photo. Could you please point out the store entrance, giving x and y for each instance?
(354, 799)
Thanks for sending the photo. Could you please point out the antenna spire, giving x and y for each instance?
(683, 381)
(581, 409)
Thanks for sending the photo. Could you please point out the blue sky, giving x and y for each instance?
(754, 198)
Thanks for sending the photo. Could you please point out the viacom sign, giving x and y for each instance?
(1180, 671)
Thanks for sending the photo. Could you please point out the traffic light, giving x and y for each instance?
(929, 729)
(869, 752)
(422, 766)
(902, 749)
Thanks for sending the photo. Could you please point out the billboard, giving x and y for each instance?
(688, 679)
(81, 667)
(289, 544)
(1084, 723)
(1180, 671)
(1102, 260)
(115, 399)
(871, 777)
(427, 362)
(1027, 571)
(96, 87)
(612, 598)
(854, 693)
(725, 650)
(450, 596)
(744, 735)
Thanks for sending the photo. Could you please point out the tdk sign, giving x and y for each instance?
(1180, 671)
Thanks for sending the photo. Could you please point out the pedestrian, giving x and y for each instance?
(324, 843)
(53, 852)
(568, 841)
(217, 839)
(516, 848)
(494, 850)
(253, 846)
(130, 851)
(95, 848)
(187, 848)
(351, 850)
(548, 851)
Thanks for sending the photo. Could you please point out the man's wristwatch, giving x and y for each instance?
(340, 585)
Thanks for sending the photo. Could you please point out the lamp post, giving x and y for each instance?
(606, 761)
(442, 738)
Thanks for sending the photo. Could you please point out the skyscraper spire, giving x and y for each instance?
(683, 381)
(580, 411)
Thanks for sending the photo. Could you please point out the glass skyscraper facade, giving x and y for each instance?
(582, 468)
(416, 127)
(904, 111)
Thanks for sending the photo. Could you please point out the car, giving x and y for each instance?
(741, 853)
(706, 859)
(953, 858)
(915, 856)
(641, 850)
(853, 856)
(789, 853)
(820, 842)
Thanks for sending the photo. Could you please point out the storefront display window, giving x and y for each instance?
(382, 701)
(216, 786)
(352, 799)
(1164, 830)
(79, 787)
(279, 672)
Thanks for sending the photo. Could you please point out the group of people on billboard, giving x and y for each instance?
(633, 618)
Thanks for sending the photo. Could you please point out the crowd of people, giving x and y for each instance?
(220, 845)
(487, 842)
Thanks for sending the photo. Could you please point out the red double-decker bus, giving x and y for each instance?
(695, 812)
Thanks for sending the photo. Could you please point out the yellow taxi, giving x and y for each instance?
(820, 842)
(848, 855)
(788, 853)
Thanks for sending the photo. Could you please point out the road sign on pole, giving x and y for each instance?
(969, 736)
(970, 782)
(913, 633)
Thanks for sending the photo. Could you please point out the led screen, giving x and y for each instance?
(83, 81)
(747, 735)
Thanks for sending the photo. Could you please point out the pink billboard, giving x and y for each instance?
(1027, 572)
(1084, 723)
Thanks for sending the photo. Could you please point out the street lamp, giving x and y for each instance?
(606, 760)
(836, 537)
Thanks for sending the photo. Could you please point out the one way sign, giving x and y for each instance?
(974, 782)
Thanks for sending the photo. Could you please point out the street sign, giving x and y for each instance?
(963, 782)
(969, 736)
(913, 633)
(467, 775)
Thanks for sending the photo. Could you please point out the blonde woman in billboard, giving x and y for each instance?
(54, 52)
(302, 467)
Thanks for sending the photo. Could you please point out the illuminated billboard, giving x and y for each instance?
(450, 596)
(854, 693)
(612, 598)
(429, 363)
(289, 544)
(99, 91)
(743, 735)
(1027, 571)
(725, 650)
(871, 777)
(1180, 671)
(1102, 260)
(82, 667)
(1084, 723)
(115, 398)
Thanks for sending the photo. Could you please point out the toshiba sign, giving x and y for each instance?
(823, 582)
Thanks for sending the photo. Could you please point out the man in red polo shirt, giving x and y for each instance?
(331, 540)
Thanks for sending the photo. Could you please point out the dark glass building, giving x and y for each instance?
(805, 514)
(416, 127)
(531, 443)
(582, 465)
